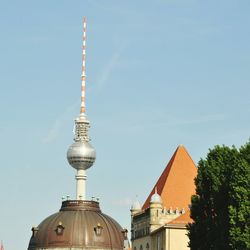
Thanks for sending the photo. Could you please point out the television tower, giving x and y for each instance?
(81, 155)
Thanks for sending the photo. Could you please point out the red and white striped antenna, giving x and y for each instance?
(83, 77)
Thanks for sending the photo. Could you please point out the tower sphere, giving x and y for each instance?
(81, 155)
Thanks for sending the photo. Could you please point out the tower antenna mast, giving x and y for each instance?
(83, 77)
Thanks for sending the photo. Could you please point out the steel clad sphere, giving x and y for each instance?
(81, 155)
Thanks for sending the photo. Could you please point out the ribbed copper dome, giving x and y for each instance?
(78, 225)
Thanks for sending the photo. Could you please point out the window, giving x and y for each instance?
(98, 229)
(158, 242)
(59, 229)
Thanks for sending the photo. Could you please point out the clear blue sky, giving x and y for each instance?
(159, 74)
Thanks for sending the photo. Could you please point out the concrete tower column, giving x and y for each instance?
(81, 178)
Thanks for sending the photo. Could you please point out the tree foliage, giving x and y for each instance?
(221, 207)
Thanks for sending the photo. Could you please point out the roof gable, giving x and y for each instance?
(176, 183)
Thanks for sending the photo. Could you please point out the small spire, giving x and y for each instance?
(156, 192)
(83, 77)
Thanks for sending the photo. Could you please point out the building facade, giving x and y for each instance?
(160, 224)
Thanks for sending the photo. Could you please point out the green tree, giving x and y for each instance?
(221, 207)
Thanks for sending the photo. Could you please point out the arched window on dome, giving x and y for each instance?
(59, 229)
(98, 229)
(147, 246)
(141, 247)
(34, 231)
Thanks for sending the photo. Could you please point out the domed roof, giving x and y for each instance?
(78, 225)
(136, 205)
(155, 198)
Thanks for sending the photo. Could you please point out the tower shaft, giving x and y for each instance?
(81, 178)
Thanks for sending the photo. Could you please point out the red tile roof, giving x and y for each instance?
(182, 219)
(176, 183)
